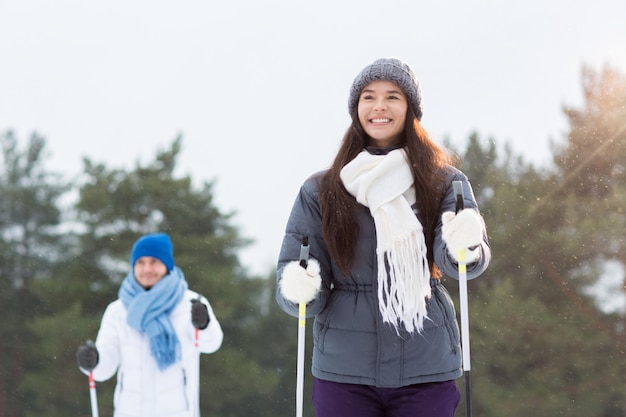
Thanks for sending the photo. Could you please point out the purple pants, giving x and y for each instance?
(436, 399)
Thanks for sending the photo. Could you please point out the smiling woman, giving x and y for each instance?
(381, 229)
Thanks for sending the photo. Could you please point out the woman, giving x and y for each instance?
(382, 230)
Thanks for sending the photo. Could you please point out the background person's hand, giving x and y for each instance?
(199, 314)
(87, 356)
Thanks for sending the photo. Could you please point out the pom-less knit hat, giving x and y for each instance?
(388, 69)
(157, 245)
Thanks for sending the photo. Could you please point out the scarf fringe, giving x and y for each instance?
(164, 344)
(404, 283)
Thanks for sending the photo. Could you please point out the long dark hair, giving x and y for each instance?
(427, 160)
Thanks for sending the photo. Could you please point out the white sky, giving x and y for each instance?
(258, 89)
(608, 290)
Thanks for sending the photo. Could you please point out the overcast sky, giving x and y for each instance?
(258, 89)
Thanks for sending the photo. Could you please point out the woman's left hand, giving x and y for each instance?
(463, 230)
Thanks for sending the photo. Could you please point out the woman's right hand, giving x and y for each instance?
(300, 285)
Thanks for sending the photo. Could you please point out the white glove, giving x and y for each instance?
(461, 231)
(300, 285)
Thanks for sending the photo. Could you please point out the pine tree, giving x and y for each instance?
(30, 247)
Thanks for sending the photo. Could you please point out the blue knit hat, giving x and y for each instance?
(157, 245)
(388, 69)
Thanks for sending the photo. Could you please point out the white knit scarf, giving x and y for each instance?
(383, 183)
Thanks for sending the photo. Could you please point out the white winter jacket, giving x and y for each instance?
(142, 389)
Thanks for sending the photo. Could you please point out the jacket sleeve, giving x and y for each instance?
(305, 220)
(108, 343)
(442, 258)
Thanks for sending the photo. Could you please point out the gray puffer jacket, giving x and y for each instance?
(351, 343)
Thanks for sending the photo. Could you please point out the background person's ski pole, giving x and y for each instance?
(92, 390)
(93, 395)
(457, 186)
(196, 334)
(304, 256)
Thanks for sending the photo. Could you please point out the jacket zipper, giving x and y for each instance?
(185, 388)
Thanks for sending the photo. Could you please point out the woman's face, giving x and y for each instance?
(382, 112)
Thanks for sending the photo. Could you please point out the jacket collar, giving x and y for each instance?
(374, 150)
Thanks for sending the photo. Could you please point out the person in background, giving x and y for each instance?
(152, 337)
(382, 230)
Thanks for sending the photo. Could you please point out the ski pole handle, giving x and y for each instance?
(304, 252)
(459, 205)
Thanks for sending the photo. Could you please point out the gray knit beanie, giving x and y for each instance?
(389, 69)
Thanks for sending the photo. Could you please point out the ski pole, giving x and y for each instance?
(196, 338)
(93, 395)
(92, 390)
(465, 343)
(196, 334)
(304, 256)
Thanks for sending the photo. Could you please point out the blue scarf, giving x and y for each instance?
(149, 311)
